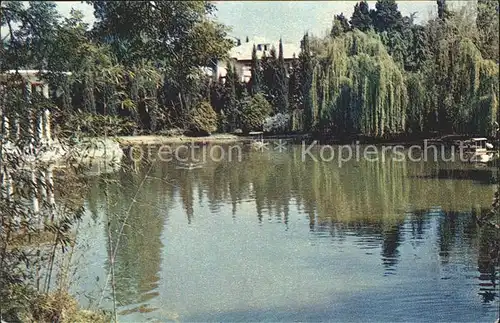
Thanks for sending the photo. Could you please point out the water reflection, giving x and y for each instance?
(401, 213)
(480, 174)
(488, 262)
(391, 241)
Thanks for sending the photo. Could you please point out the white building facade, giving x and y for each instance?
(241, 56)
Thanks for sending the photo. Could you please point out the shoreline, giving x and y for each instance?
(159, 139)
(224, 138)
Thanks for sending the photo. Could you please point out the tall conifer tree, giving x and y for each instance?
(306, 67)
(282, 82)
(255, 81)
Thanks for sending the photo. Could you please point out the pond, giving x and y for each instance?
(272, 236)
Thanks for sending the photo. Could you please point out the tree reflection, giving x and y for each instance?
(138, 259)
(391, 240)
(488, 263)
(369, 199)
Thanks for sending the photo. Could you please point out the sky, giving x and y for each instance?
(287, 19)
(291, 19)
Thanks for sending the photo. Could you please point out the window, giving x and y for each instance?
(259, 47)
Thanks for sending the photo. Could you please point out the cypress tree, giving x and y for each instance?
(441, 9)
(417, 49)
(343, 22)
(487, 23)
(231, 102)
(295, 94)
(255, 81)
(361, 18)
(294, 87)
(314, 99)
(269, 77)
(340, 25)
(282, 82)
(387, 16)
(306, 67)
(217, 95)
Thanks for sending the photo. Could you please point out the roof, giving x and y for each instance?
(244, 51)
(31, 72)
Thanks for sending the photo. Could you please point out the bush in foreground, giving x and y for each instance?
(254, 110)
(203, 118)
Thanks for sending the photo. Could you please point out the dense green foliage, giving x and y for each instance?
(361, 89)
(114, 82)
(377, 73)
(112, 74)
(203, 118)
(254, 110)
(255, 81)
(385, 75)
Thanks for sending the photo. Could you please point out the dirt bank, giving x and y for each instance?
(158, 140)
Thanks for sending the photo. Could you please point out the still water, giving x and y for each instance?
(273, 237)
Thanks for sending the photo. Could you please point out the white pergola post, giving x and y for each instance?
(40, 128)
(28, 89)
(6, 127)
(47, 127)
(45, 90)
(31, 132)
(43, 179)
(9, 188)
(9, 191)
(6, 185)
(17, 129)
(36, 204)
(3, 189)
(49, 183)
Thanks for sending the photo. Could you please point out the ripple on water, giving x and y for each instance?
(302, 242)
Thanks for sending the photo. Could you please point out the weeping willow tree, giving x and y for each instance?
(461, 84)
(315, 96)
(362, 90)
(416, 109)
(475, 90)
(359, 86)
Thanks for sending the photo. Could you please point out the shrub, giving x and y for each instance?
(203, 118)
(277, 123)
(254, 112)
(60, 306)
(96, 125)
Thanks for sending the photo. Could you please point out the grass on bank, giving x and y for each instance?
(61, 307)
